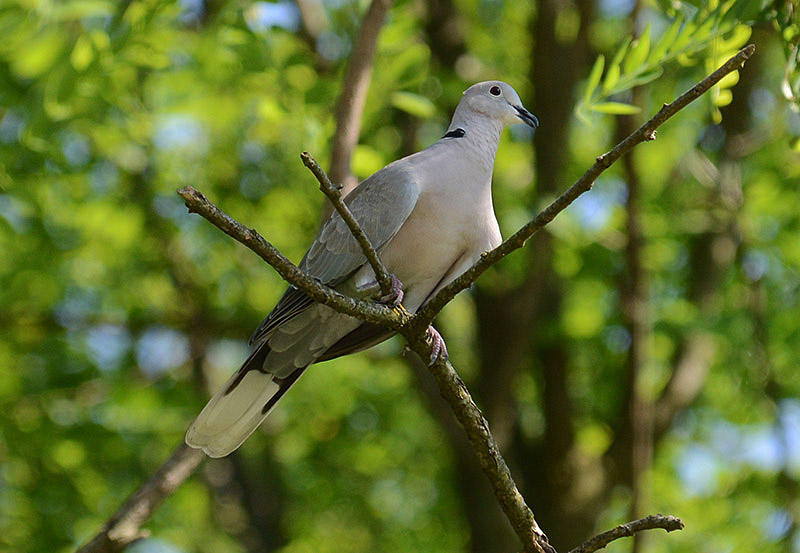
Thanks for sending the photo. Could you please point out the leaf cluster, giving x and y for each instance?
(713, 32)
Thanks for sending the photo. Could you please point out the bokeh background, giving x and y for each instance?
(639, 355)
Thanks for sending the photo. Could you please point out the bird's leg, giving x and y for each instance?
(438, 347)
(395, 295)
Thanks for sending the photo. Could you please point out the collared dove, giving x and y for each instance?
(429, 216)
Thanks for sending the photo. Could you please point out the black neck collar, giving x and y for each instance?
(455, 133)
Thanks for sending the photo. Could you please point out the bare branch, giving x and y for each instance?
(450, 385)
(365, 310)
(124, 527)
(666, 522)
(455, 392)
(350, 106)
(646, 132)
(334, 194)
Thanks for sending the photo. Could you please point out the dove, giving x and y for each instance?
(428, 215)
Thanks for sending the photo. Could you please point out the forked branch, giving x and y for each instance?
(334, 194)
(168, 478)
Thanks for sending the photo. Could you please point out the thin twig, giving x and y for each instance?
(646, 132)
(334, 194)
(665, 522)
(350, 107)
(368, 311)
(124, 527)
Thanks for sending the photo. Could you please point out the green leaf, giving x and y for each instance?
(37, 58)
(722, 98)
(729, 80)
(612, 77)
(628, 82)
(594, 77)
(666, 41)
(620, 53)
(639, 51)
(615, 108)
(82, 53)
(645, 78)
(705, 28)
(366, 160)
(737, 38)
(416, 105)
(686, 34)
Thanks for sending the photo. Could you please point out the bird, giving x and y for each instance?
(428, 215)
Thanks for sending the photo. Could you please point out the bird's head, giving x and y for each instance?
(499, 101)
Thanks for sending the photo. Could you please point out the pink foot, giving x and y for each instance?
(438, 347)
(395, 295)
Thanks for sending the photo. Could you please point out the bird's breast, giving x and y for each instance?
(444, 231)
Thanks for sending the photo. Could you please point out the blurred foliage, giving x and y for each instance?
(718, 25)
(120, 311)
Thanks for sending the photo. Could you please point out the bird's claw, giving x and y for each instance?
(395, 295)
(438, 347)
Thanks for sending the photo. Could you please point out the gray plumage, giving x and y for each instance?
(429, 215)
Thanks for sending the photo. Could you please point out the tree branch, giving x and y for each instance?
(667, 522)
(368, 311)
(334, 194)
(124, 527)
(455, 392)
(646, 132)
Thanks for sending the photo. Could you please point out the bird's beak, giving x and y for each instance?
(526, 116)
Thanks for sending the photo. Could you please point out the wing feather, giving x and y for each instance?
(380, 204)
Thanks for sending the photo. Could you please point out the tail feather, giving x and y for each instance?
(238, 408)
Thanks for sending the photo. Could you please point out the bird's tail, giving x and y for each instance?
(238, 407)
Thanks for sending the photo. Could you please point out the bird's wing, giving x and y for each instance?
(380, 204)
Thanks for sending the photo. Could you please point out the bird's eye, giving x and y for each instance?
(494, 91)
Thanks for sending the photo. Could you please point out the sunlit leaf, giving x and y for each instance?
(38, 56)
(366, 160)
(414, 104)
(594, 78)
(82, 53)
(737, 39)
(612, 78)
(621, 51)
(723, 97)
(615, 108)
(729, 80)
(639, 51)
(666, 42)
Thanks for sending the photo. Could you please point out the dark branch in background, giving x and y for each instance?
(124, 527)
(665, 522)
(126, 523)
(334, 194)
(350, 106)
(634, 303)
(645, 133)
